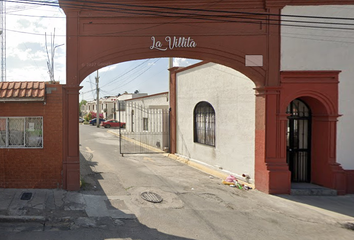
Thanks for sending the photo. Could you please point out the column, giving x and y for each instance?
(272, 173)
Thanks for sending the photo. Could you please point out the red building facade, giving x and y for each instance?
(109, 32)
(22, 163)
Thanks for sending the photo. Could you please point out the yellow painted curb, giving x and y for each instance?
(188, 162)
(205, 169)
(137, 142)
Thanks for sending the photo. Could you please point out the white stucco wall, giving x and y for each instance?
(304, 48)
(233, 98)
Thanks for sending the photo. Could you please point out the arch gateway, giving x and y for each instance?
(243, 35)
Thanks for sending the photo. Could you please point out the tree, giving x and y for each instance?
(83, 102)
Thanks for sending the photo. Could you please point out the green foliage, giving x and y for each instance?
(88, 117)
(83, 102)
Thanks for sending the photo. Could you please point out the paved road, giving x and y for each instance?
(195, 205)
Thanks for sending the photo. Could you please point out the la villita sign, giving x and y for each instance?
(172, 42)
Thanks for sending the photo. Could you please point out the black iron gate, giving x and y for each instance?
(299, 141)
(146, 129)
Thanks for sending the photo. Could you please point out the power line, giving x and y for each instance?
(137, 76)
(174, 12)
(125, 73)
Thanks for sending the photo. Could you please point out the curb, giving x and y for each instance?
(4, 218)
(205, 169)
(190, 163)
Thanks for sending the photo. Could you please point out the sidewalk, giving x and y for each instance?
(57, 206)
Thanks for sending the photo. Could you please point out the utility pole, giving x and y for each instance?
(98, 102)
(170, 62)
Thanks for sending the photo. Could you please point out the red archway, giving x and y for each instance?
(106, 32)
(319, 90)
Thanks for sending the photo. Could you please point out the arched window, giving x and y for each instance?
(204, 124)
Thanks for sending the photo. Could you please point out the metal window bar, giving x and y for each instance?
(21, 132)
(204, 124)
(34, 132)
(298, 141)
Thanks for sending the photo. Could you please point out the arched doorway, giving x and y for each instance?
(298, 143)
(309, 103)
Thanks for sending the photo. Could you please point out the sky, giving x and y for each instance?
(29, 27)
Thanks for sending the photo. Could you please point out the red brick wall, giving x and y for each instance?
(35, 168)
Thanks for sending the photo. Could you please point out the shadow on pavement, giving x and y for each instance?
(126, 228)
(337, 204)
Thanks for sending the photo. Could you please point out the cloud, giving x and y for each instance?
(180, 62)
(184, 62)
(23, 23)
(108, 68)
(25, 42)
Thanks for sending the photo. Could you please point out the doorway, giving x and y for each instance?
(299, 141)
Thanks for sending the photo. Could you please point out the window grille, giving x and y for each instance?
(121, 105)
(204, 124)
(21, 132)
(145, 124)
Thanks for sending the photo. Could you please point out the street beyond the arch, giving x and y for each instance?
(194, 205)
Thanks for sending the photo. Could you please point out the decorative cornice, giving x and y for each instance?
(320, 77)
(276, 3)
(319, 2)
(267, 90)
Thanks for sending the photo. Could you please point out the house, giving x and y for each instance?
(215, 120)
(313, 121)
(108, 105)
(147, 119)
(31, 135)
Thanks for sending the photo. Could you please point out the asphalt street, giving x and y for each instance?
(194, 204)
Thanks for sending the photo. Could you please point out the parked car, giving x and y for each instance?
(112, 123)
(93, 121)
(81, 120)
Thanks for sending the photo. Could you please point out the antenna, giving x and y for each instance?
(50, 55)
(3, 40)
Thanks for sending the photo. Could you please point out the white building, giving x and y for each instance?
(325, 49)
(147, 119)
(215, 118)
(108, 105)
(314, 118)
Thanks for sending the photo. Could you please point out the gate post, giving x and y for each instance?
(71, 156)
(71, 161)
(172, 99)
(272, 174)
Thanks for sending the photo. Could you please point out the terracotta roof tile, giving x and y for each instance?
(17, 85)
(4, 85)
(29, 93)
(22, 91)
(23, 85)
(15, 93)
(35, 93)
(9, 93)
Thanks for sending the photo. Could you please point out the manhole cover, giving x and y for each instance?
(151, 197)
(26, 196)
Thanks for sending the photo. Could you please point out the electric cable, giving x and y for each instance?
(174, 11)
